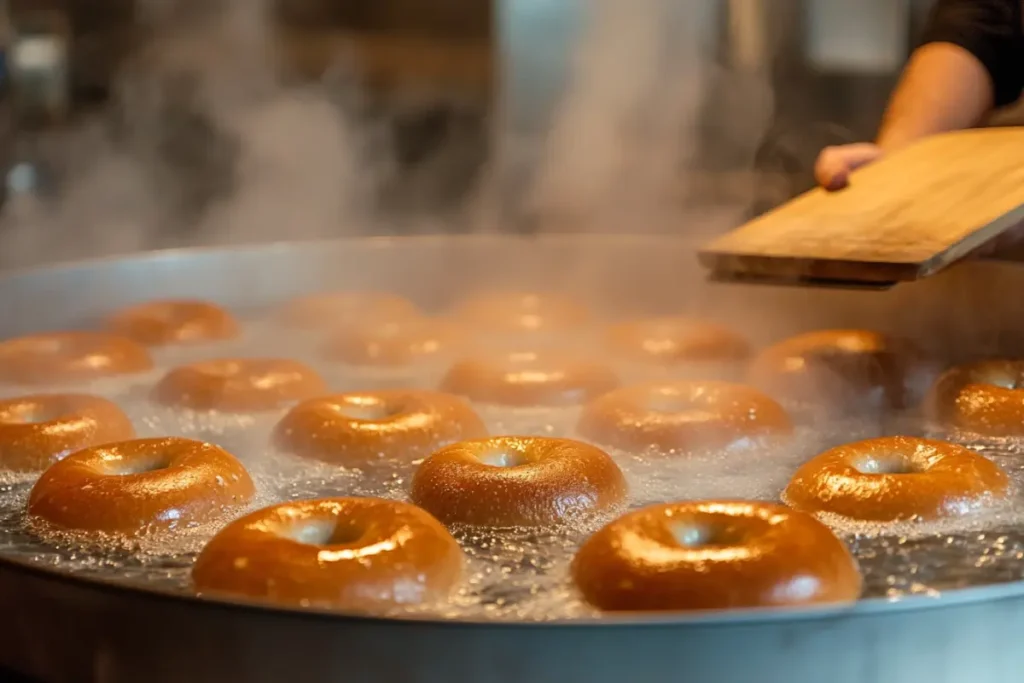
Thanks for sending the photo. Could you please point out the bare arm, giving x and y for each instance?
(943, 88)
(971, 61)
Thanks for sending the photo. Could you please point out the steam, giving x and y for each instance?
(647, 103)
(629, 116)
(204, 143)
(208, 142)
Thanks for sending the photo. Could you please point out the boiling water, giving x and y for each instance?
(518, 574)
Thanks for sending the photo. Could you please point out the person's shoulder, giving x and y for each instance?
(990, 30)
(999, 15)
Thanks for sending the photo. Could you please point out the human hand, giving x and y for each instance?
(834, 165)
(832, 171)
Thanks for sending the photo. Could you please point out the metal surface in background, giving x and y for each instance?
(62, 628)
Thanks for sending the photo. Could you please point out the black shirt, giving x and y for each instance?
(991, 30)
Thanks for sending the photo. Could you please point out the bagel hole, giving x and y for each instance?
(141, 465)
(503, 458)
(370, 411)
(692, 535)
(888, 464)
(325, 532)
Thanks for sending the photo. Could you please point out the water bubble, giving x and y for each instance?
(519, 574)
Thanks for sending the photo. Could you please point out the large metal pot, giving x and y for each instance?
(62, 628)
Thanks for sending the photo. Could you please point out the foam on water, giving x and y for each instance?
(518, 574)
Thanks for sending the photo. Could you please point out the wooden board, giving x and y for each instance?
(905, 217)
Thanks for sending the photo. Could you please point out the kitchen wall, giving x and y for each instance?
(780, 80)
(767, 82)
(425, 69)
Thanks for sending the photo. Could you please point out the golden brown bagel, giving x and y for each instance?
(517, 312)
(896, 478)
(133, 487)
(160, 323)
(985, 397)
(239, 385)
(682, 416)
(37, 431)
(396, 344)
(331, 310)
(70, 357)
(518, 481)
(709, 555)
(676, 340)
(361, 429)
(529, 379)
(343, 553)
(842, 370)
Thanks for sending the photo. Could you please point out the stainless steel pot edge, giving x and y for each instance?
(66, 628)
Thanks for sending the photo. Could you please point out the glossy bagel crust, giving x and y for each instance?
(363, 428)
(239, 385)
(160, 323)
(674, 340)
(848, 370)
(529, 379)
(331, 310)
(985, 397)
(896, 478)
(342, 553)
(518, 481)
(709, 555)
(397, 344)
(682, 416)
(37, 431)
(519, 312)
(73, 357)
(133, 487)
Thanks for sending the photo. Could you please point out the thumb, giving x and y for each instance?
(834, 165)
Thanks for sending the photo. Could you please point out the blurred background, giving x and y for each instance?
(155, 116)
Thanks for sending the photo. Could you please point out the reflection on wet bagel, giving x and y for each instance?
(37, 431)
(134, 487)
(714, 555)
(344, 553)
(843, 370)
(158, 323)
(363, 428)
(985, 397)
(515, 312)
(70, 357)
(518, 481)
(682, 416)
(238, 385)
(528, 378)
(333, 310)
(395, 344)
(896, 478)
(676, 340)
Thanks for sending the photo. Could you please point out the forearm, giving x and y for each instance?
(943, 88)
